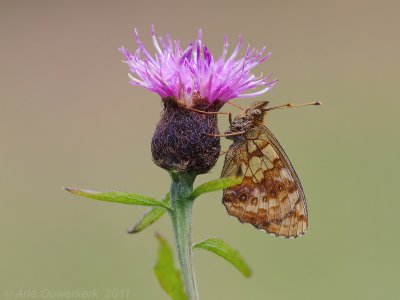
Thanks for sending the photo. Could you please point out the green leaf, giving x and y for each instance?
(216, 185)
(230, 254)
(167, 274)
(151, 216)
(118, 197)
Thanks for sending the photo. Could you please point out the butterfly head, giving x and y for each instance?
(247, 119)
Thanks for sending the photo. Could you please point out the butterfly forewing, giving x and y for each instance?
(270, 196)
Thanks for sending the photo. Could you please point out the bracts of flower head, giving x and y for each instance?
(192, 78)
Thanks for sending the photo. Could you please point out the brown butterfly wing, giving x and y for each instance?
(270, 196)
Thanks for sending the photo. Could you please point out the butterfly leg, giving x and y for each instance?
(228, 134)
(222, 152)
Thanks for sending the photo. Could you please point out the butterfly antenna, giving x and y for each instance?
(290, 105)
(235, 105)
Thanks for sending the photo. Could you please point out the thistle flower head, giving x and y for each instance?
(192, 74)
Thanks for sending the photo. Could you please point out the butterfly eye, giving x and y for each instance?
(256, 112)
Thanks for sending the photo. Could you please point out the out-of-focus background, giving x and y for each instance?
(68, 117)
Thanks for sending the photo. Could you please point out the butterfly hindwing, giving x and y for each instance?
(270, 196)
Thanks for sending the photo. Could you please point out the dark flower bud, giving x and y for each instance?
(181, 141)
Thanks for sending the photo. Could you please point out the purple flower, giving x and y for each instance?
(185, 75)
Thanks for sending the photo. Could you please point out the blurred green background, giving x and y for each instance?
(68, 117)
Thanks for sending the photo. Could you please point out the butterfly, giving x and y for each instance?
(270, 196)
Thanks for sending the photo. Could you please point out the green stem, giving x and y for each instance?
(181, 215)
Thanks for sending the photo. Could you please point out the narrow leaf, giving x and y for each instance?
(167, 274)
(118, 197)
(216, 185)
(230, 254)
(151, 216)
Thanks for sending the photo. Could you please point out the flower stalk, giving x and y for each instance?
(181, 216)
